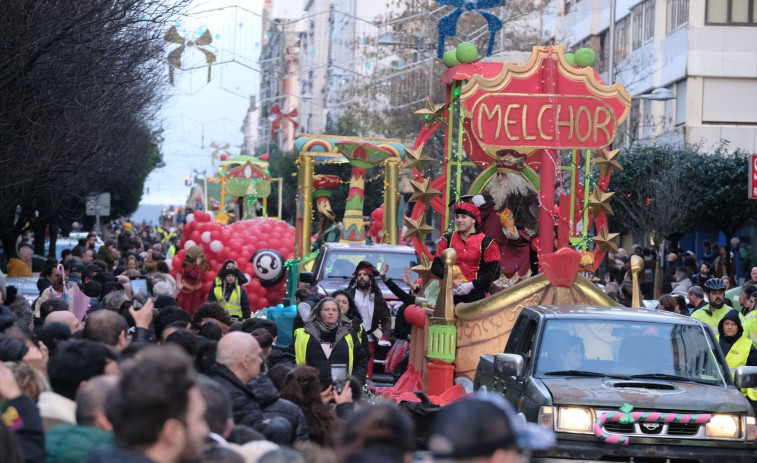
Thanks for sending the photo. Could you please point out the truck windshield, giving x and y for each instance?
(627, 349)
(341, 264)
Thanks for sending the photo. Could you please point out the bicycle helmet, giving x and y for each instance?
(714, 284)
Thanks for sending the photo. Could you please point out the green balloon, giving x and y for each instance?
(467, 52)
(570, 58)
(585, 57)
(450, 58)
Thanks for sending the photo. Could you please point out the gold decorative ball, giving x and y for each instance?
(449, 256)
(637, 264)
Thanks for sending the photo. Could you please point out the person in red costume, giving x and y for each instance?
(477, 255)
(509, 213)
(192, 276)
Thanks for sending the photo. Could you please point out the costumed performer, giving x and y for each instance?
(328, 228)
(477, 256)
(192, 275)
(509, 214)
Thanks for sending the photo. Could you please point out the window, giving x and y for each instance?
(737, 12)
(678, 15)
(642, 24)
(622, 35)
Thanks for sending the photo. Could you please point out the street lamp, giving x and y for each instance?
(658, 94)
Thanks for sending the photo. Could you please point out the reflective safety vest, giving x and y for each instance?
(301, 338)
(233, 306)
(750, 326)
(737, 357)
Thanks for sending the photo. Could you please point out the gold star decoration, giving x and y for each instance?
(423, 269)
(599, 202)
(416, 227)
(607, 160)
(416, 158)
(422, 191)
(432, 113)
(606, 241)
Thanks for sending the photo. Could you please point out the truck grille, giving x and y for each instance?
(672, 430)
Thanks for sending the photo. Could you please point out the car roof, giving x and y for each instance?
(613, 313)
(397, 248)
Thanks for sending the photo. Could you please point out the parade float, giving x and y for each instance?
(552, 121)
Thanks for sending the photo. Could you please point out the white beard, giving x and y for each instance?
(500, 190)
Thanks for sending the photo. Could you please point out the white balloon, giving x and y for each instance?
(216, 246)
(189, 244)
(249, 279)
(189, 218)
(205, 237)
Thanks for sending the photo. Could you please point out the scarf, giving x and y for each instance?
(327, 333)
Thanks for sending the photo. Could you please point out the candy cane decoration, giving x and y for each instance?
(625, 416)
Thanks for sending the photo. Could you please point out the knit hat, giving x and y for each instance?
(471, 210)
(363, 265)
(479, 425)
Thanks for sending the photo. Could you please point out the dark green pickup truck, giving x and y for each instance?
(622, 384)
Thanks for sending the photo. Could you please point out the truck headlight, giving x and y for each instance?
(724, 427)
(575, 419)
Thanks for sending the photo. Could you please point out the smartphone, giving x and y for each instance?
(338, 376)
(139, 292)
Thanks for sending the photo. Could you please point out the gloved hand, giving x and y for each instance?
(462, 289)
(478, 200)
(383, 342)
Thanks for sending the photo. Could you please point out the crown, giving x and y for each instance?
(509, 160)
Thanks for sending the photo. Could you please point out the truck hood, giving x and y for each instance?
(663, 396)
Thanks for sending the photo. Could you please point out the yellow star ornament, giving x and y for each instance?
(422, 191)
(606, 241)
(416, 227)
(423, 269)
(607, 160)
(599, 202)
(432, 112)
(416, 158)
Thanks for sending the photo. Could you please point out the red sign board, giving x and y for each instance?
(543, 121)
(544, 103)
(753, 178)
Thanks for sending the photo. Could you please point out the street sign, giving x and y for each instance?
(98, 204)
(753, 178)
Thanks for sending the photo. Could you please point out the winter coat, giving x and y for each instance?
(273, 405)
(246, 409)
(117, 455)
(315, 356)
(22, 416)
(69, 443)
(56, 410)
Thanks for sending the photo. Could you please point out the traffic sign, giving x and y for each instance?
(753, 178)
(100, 204)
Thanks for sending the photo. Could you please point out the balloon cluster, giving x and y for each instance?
(377, 225)
(240, 241)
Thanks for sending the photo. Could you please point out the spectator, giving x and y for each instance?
(238, 362)
(74, 363)
(327, 339)
(31, 382)
(185, 339)
(21, 415)
(484, 427)
(167, 316)
(668, 303)
(218, 412)
(53, 335)
(704, 274)
(211, 311)
(211, 330)
(22, 265)
(696, 298)
(70, 443)
(160, 420)
(303, 387)
(108, 328)
(382, 431)
(113, 300)
(682, 283)
(744, 294)
(22, 313)
(273, 405)
(65, 318)
(52, 305)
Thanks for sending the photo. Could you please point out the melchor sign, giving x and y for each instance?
(544, 103)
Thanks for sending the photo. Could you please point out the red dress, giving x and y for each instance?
(191, 295)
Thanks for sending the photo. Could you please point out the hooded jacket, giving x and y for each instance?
(69, 443)
(727, 342)
(273, 405)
